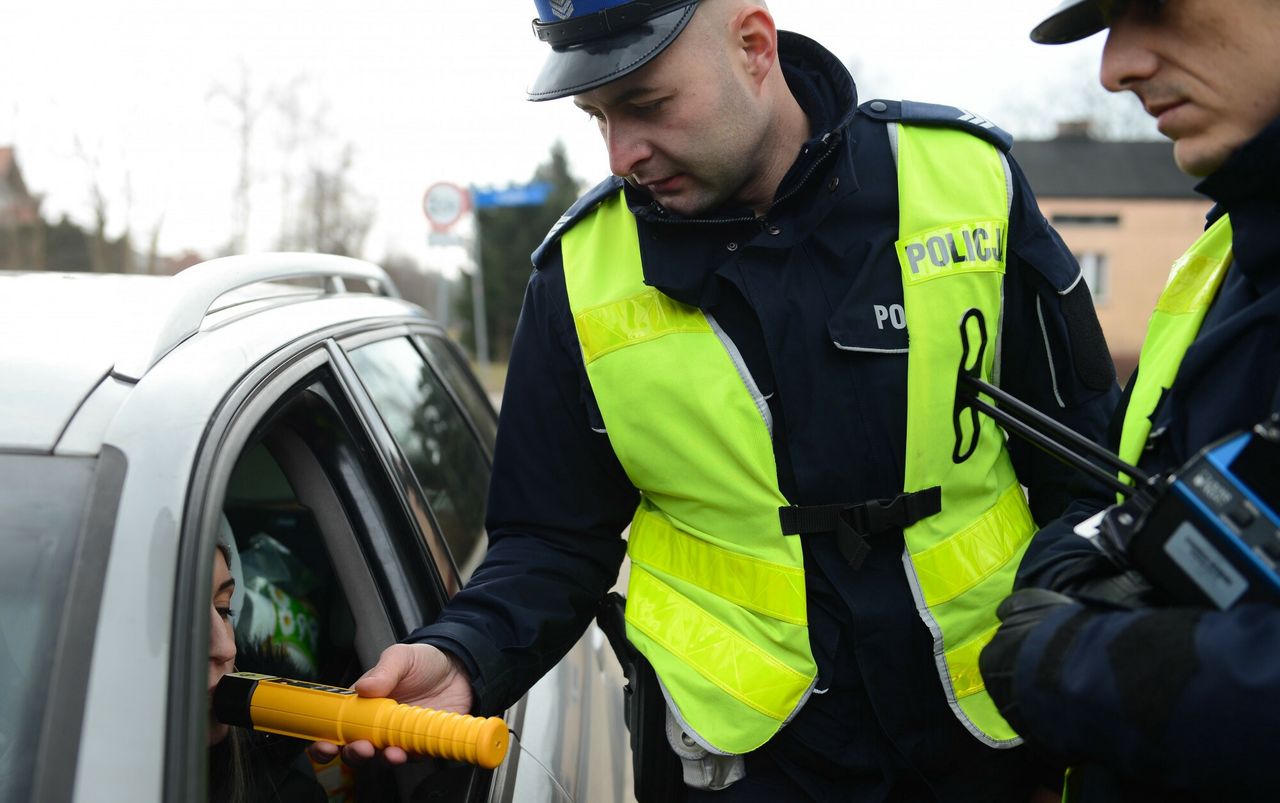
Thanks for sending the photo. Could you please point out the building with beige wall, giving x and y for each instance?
(1126, 212)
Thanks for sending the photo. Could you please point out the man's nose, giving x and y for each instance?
(628, 148)
(1127, 60)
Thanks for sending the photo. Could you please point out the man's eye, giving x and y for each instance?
(225, 613)
(651, 108)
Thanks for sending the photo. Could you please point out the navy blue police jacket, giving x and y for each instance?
(1177, 703)
(807, 292)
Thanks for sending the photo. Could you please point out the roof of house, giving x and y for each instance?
(1081, 167)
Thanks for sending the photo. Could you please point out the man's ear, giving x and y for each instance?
(757, 35)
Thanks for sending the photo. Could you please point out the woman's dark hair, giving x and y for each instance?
(229, 759)
(229, 769)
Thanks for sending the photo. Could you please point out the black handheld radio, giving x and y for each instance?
(1206, 534)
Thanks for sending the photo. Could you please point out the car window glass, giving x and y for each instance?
(448, 363)
(435, 438)
(42, 503)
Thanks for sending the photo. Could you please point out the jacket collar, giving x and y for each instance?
(1247, 187)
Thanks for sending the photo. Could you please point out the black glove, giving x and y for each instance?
(1019, 614)
(1125, 590)
(1107, 578)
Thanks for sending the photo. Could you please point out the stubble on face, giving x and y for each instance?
(1204, 69)
(702, 150)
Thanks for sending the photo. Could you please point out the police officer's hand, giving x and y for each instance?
(1125, 590)
(416, 674)
(1019, 614)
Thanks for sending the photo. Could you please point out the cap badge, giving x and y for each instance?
(562, 8)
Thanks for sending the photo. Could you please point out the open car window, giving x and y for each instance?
(334, 569)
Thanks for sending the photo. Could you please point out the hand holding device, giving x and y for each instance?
(340, 716)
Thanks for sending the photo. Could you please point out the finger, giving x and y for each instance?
(359, 752)
(395, 756)
(323, 752)
(383, 678)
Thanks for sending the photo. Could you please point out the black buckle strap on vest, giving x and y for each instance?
(851, 524)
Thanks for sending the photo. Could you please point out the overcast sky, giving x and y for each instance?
(425, 90)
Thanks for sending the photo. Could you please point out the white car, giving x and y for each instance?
(344, 442)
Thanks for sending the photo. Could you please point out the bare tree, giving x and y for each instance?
(106, 255)
(246, 109)
(153, 245)
(320, 208)
(298, 126)
(335, 219)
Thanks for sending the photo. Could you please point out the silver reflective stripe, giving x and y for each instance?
(673, 712)
(940, 658)
(740, 365)
(1008, 184)
(999, 358)
(892, 128)
(868, 350)
(1048, 353)
(1072, 286)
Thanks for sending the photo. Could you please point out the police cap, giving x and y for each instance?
(1072, 21)
(594, 42)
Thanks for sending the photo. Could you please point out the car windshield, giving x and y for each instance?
(42, 504)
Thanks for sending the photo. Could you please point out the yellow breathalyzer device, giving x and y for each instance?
(330, 714)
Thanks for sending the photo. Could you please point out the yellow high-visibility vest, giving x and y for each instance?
(716, 600)
(1192, 285)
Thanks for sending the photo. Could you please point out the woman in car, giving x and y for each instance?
(245, 767)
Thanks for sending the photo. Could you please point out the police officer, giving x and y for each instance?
(1171, 703)
(745, 345)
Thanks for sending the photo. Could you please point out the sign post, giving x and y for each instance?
(444, 204)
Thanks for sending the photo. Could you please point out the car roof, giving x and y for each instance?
(59, 336)
(62, 334)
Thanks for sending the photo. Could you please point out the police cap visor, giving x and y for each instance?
(595, 49)
(1071, 22)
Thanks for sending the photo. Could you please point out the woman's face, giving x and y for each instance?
(222, 641)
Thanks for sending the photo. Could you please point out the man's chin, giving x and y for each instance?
(686, 204)
(1198, 158)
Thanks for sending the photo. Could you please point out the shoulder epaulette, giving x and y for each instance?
(913, 113)
(579, 210)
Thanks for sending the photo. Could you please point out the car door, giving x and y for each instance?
(341, 558)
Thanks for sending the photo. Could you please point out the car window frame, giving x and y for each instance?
(388, 443)
(246, 406)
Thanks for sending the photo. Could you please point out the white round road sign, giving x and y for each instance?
(444, 204)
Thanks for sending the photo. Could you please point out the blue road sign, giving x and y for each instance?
(525, 195)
